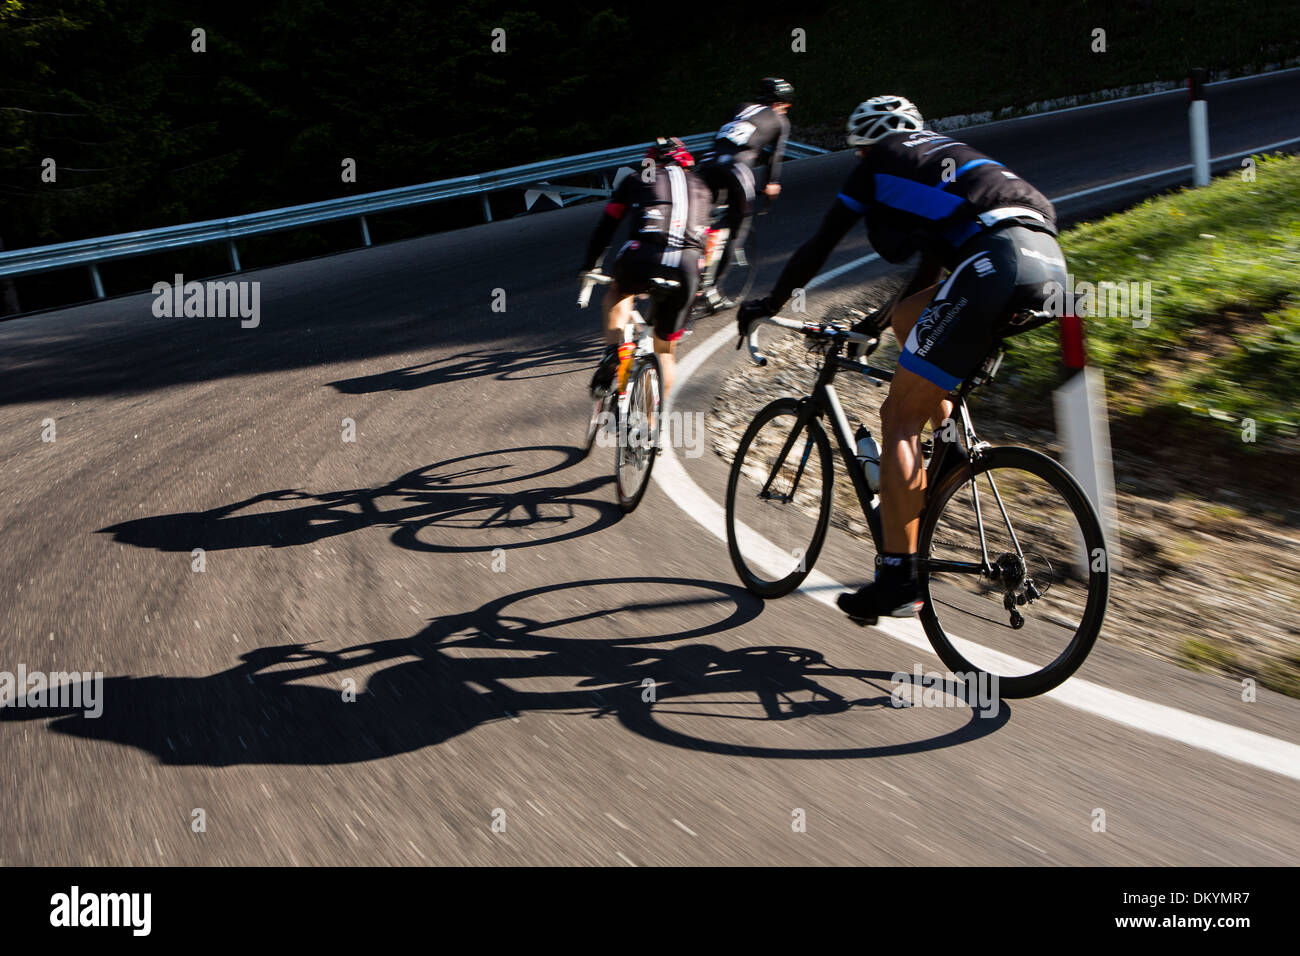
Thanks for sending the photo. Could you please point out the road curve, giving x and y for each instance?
(502, 626)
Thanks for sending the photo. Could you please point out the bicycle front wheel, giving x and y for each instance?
(638, 432)
(779, 499)
(1030, 617)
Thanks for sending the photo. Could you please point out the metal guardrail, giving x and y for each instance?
(90, 252)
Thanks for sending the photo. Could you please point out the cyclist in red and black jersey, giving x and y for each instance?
(754, 137)
(668, 206)
(967, 215)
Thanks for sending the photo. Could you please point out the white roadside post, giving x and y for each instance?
(1083, 426)
(1198, 118)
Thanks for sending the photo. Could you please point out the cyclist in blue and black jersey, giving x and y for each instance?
(754, 137)
(669, 208)
(966, 215)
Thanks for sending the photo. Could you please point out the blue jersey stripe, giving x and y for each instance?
(929, 202)
(969, 165)
(853, 204)
(975, 162)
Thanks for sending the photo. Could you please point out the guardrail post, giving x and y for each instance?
(1081, 422)
(1199, 121)
(487, 209)
(365, 232)
(96, 281)
(234, 254)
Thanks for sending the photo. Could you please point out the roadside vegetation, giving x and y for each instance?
(148, 126)
(1216, 351)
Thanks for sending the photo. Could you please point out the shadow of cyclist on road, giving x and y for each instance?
(453, 506)
(300, 704)
(540, 361)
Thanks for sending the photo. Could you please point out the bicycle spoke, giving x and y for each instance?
(1023, 603)
(778, 503)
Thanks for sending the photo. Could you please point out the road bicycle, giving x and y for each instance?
(627, 415)
(1014, 580)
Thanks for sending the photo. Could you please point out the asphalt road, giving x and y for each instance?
(498, 618)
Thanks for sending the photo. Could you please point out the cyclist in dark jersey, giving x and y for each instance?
(754, 137)
(965, 214)
(668, 206)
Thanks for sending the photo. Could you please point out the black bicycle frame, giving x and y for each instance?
(823, 402)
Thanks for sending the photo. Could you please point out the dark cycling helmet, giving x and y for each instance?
(670, 149)
(773, 89)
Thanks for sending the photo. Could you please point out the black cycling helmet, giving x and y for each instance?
(773, 89)
(669, 149)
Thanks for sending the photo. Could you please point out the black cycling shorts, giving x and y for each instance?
(1001, 271)
(638, 263)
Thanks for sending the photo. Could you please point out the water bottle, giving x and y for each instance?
(626, 351)
(869, 457)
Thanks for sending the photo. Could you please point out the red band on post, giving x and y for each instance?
(1073, 353)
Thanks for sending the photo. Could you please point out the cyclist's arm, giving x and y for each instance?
(811, 256)
(615, 210)
(778, 152)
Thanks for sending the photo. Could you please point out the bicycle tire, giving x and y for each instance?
(753, 582)
(1060, 480)
(646, 374)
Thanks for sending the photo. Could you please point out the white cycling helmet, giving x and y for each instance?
(881, 115)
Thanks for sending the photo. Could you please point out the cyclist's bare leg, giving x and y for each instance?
(903, 318)
(667, 352)
(911, 402)
(617, 307)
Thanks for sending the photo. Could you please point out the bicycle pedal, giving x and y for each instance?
(911, 609)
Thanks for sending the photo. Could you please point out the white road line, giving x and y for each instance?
(1182, 88)
(1169, 172)
(1235, 743)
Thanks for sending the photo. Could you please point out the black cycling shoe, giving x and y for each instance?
(880, 599)
(603, 377)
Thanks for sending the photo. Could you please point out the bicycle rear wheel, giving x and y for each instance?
(638, 432)
(778, 505)
(1031, 622)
